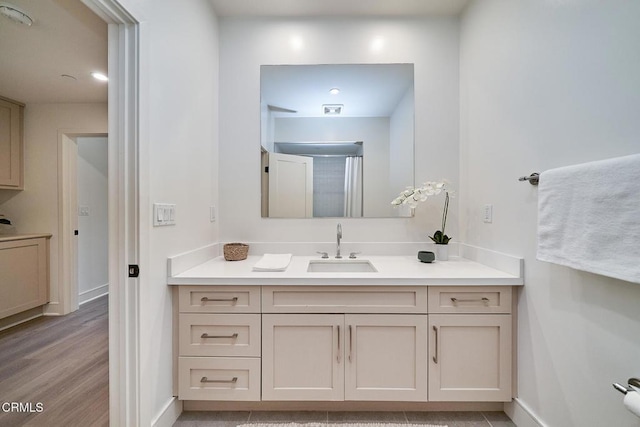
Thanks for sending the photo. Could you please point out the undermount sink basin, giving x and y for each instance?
(341, 266)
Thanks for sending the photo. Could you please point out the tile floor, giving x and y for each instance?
(451, 419)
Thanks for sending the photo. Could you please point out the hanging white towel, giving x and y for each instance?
(273, 262)
(589, 217)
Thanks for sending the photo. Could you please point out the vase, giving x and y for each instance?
(442, 252)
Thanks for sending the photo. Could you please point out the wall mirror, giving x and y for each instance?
(336, 140)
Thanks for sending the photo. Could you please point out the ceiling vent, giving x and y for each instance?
(332, 109)
(15, 14)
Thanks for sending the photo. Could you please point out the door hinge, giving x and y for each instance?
(134, 270)
(266, 169)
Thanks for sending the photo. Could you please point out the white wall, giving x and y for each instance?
(178, 164)
(245, 44)
(372, 131)
(546, 84)
(93, 237)
(401, 130)
(35, 210)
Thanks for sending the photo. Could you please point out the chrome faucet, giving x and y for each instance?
(338, 236)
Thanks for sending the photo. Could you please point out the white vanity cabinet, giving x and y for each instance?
(345, 343)
(471, 344)
(219, 340)
(344, 354)
(344, 357)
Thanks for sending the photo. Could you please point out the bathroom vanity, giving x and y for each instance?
(408, 332)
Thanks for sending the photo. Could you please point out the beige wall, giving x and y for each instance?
(35, 210)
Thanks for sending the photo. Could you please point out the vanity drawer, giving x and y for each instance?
(344, 299)
(219, 299)
(219, 334)
(218, 378)
(469, 299)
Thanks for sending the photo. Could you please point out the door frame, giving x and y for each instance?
(124, 209)
(67, 295)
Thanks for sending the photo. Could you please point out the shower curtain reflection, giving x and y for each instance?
(353, 187)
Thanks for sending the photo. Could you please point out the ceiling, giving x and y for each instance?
(338, 7)
(66, 38)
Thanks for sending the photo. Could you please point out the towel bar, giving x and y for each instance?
(533, 179)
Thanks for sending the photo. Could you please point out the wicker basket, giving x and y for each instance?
(235, 251)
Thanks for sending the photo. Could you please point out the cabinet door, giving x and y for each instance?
(10, 145)
(386, 357)
(303, 357)
(470, 357)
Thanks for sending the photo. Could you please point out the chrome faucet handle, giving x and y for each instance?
(325, 255)
(352, 255)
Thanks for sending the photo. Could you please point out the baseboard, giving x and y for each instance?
(522, 415)
(91, 294)
(25, 316)
(169, 414)
(199, 405)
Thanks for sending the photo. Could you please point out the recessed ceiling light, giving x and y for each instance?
(99, 76)
(15, 14)
(334, 91)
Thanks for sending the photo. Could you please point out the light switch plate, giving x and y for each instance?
(164, 214)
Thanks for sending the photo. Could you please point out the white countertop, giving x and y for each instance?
(10, 237)
(392, 271)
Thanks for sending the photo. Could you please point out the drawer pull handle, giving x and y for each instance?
(231, 381)
(206, 335)
(483, 299)
(207, 299)
(338, 356)
(350, 342)
(435, 353)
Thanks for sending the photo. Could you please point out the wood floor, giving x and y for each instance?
(60, 363)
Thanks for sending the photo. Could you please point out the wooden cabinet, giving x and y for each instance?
(354, 343)
(24, 274)
(470, 351)
(303, 357)
(386, 357)
(219, 338)
(344, 357)
(11, 144)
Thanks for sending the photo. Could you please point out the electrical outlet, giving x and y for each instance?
(83, 210)
(487, 214)
(212, 213)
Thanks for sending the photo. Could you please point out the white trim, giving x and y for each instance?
(93, 294)
(169, 413)
(522, 415)
(124, 196)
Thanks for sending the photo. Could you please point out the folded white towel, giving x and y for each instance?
(589, 217)
(273, 262)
